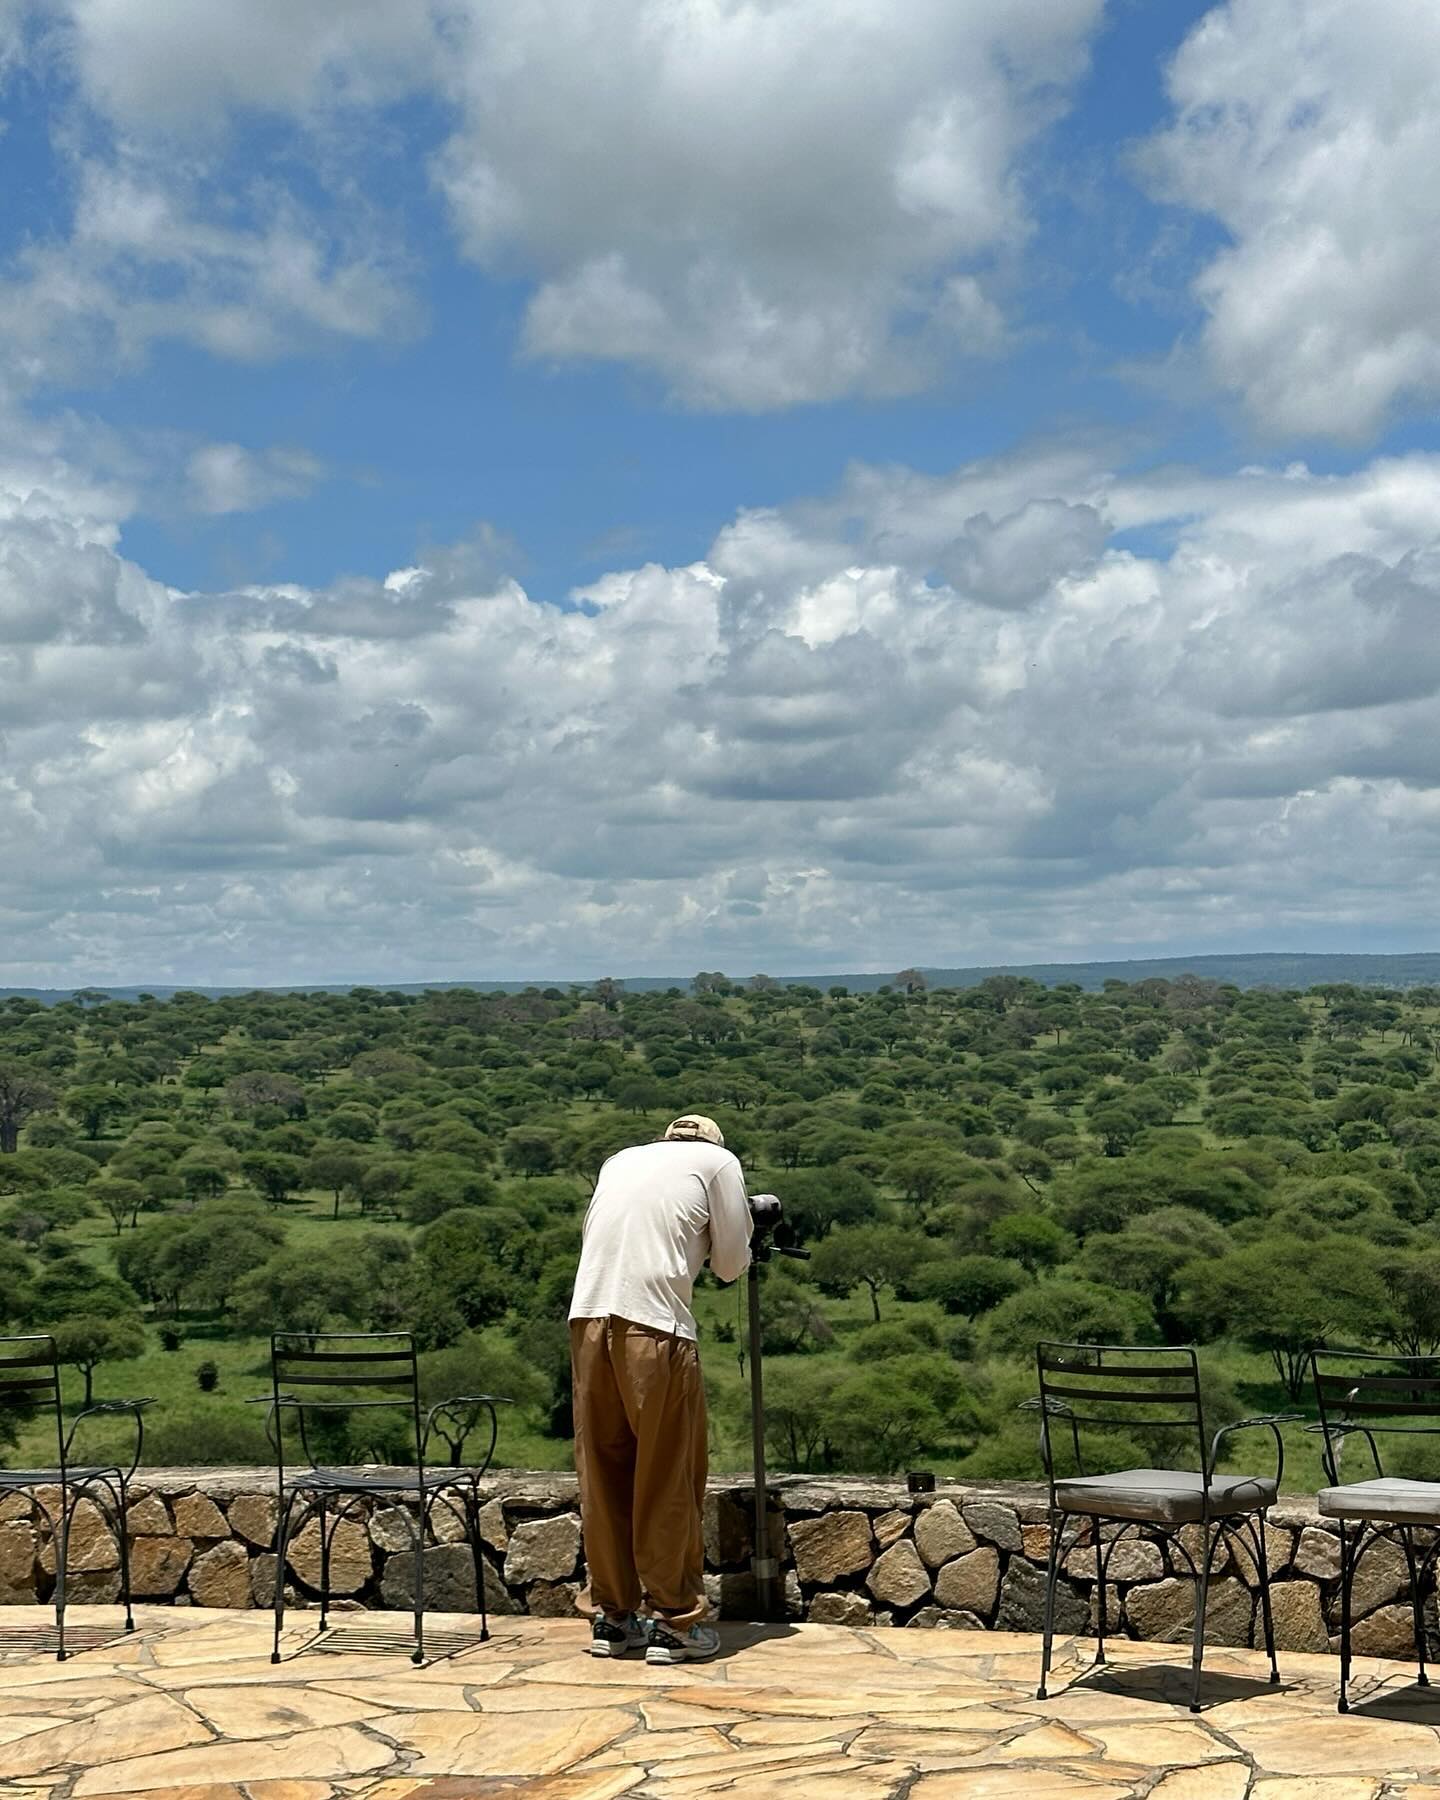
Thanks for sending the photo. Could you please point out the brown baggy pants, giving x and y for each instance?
(641, 1455)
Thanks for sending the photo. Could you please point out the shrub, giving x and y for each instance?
(208, 1376)
(881, 1343)
(1071, 1312)
(171, 1336)
(174, 1439)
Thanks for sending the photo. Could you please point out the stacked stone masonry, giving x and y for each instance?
(854, 1553)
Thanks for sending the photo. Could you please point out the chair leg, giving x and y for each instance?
(60, 1534)
(472, 1524)
(417, 1655)
(123, 1533)
(1052, 1572)
(282, 1545)
(324, 1566)
(1197, 1652)
(1417, 1608)
(1263, 1567)
(1099, 1595)
(1347, 1579)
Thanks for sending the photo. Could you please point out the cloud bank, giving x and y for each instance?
(850, 732)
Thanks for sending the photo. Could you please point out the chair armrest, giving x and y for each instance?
(1266, 1421)
(1335, 1433)
(1050, 1408)
(111, 1409)
(272, 1401)
(459, 1403)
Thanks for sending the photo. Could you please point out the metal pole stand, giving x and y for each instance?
(769, 1595)
(764, 1567)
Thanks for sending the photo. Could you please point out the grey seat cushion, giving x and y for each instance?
(1405, 1502)
(1164, 1496)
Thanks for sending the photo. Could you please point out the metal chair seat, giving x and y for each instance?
(1383, 1501)
(380, 1481)
(1164, 1496)
(74, 1473)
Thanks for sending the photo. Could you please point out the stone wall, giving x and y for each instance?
(854, 1553)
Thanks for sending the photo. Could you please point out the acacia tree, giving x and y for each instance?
(869, 1256)
(22, 1094)
(119, 1200)
(276, 1175)
(1286, 1299)
(339, 1171)
(84, 1343)
(92, 1104)
(1414, 1288)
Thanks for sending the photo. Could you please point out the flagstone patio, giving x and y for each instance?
(191, 1708)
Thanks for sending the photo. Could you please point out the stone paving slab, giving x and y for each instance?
(190, 1708)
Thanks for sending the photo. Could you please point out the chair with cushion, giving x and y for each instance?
(365, 1372)
(1368, 1396)
(1155, 1392)
(30, 1383)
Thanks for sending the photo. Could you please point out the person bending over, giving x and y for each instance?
(658, 1212)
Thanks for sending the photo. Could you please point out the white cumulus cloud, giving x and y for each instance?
(151, 252)
(174, 63)
(763, 204)
(1308, 131)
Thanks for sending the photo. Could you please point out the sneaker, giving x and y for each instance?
(611, 1638)
(697, 1644)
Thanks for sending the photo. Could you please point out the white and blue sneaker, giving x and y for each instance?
(668, 1645)
(614, 1637)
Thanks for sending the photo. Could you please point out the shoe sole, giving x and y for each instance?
(671, 1657)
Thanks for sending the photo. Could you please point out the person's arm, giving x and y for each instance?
(730, 1222)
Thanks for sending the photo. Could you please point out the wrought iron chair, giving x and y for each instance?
(1146, 1390)
(341, 1363)
(30, 1382)
(1370, 1396)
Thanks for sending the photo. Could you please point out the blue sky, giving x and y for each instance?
(487, 490)
(427, 432)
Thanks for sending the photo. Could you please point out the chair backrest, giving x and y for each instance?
(1369, 1395)
(343, 1372)
(1133, 1388)
(30, 1380)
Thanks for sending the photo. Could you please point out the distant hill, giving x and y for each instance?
(1262, 969)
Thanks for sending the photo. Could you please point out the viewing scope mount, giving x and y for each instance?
(770, 1236)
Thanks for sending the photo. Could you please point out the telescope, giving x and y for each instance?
(770, 1236)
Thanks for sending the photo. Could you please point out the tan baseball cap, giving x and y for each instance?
(690, 1126)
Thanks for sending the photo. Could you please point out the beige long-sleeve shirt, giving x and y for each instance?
(657, 1213)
